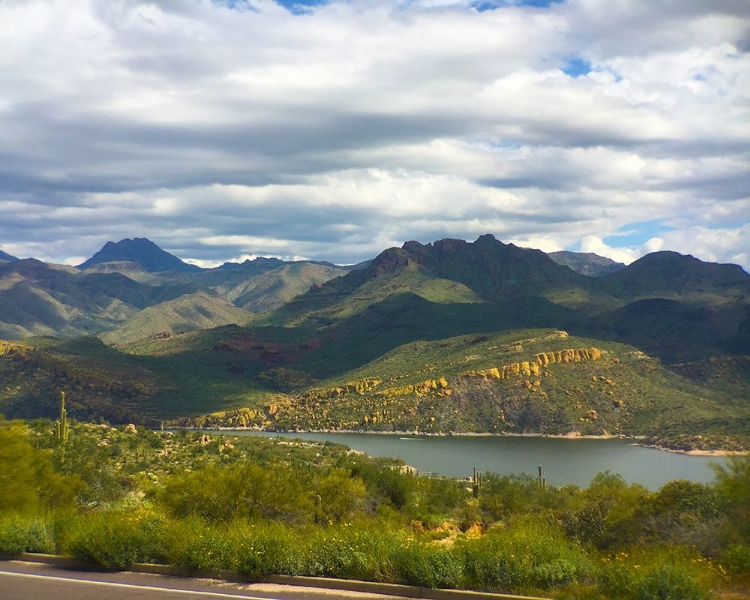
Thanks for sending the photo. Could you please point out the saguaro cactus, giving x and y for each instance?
(476, 483)
(61, 428)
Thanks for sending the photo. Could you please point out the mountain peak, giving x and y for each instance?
(141, 251)
(586, 263)
(6, 256)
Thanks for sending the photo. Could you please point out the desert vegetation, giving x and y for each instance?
(113, 496)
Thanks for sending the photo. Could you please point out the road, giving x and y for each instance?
(31, 581)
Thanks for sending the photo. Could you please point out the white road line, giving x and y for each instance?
(136, 587)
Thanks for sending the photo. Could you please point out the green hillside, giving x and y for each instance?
(530, 381)
(41, 299)
(189, 312)
(525, 381)
(37, 299)
(272, 289)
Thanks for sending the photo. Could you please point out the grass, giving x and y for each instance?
(530, 556)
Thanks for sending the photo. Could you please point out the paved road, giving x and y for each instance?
(31, 581)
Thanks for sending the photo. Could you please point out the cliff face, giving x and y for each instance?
(542, 359)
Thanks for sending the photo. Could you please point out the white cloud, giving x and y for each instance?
(592, 243)
(223, 133)
(727, 244)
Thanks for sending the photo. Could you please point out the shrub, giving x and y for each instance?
(268, 549)
(429, 566)
(28, 481)
(25, 534)
(736, 560)
(531, 554)
(611, 513)
(657, 574)
(361, 551)
(239, 491)
(114, 539)
(194, 544)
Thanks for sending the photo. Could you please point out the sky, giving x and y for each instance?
(331, 130)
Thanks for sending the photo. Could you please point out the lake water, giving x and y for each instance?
(563, 460)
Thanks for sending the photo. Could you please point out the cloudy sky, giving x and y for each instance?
(332, 130)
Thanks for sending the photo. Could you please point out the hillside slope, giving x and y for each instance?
(189, 312)
(41, 299)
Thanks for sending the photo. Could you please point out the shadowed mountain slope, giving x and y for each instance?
(189, 312)
(7, 257)
(41, 299)
(678, 276)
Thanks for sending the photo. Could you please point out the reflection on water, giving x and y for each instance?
(564, 460)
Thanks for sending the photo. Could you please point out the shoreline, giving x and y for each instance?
(698, 452)
(565, 436)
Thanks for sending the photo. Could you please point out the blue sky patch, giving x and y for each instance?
(577, 67)
(483, 5)
(298, 6)
(637, 234)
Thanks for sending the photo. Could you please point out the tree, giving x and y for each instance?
(28, 481)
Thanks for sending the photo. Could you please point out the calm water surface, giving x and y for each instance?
(563, 460)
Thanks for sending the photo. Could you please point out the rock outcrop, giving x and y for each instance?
(533, 367)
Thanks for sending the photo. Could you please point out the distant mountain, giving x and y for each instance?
(257, 265)
(586, 263)
(273, 289)
(694, 309)
(674, 275)
(56, 300)
(264, 284)
(6, 256)
(41, 299)
(189, 312)
(141, 251)
(446, 272)
(136, 272)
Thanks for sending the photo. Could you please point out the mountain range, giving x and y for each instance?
(122, 279)
(444, 337)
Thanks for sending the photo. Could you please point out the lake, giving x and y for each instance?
(563, 460)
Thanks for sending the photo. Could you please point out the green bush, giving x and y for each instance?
(530, 554)
(429, 566)
(736, 560)
(657, 574)
(115, 539)
(238, 491)
(363, 551)
(196, 545)
(269, 549)
(339, 555)
(28, 480)
(25, 534)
